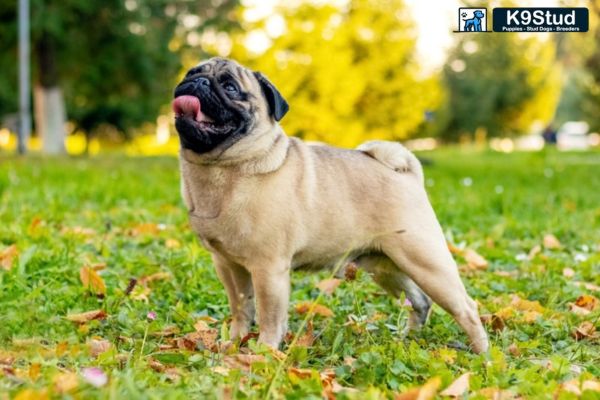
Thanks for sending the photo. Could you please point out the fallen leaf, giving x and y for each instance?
(494, 321)
(313, 308)
(243, 361)
(156, 365)
(92, 280)
(588, 302)
(328, 286)
(308, 338)
(459, 387)
(206, 338)
(170, 330)
(475, 260)
(172, 244)
(350, 271)
(551, 242)
(221, 370)
(529, 317)
(535, 250)
(578, 310)
(513, 349)
(584, 331)
(98, 346)
(425, 392)
(497, 394)
(87, 316)
(296, 374)
(147, 228)
(34, 371)
(577, 387)
(158, 276)
(32, 394)
(454, 249)
(77, 231)
(526, 305)
(94, 376)
(141, 293)
(61, 348)
(568, 272)
(7, 256)
(65, 382)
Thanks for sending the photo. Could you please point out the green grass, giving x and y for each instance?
(500, 205)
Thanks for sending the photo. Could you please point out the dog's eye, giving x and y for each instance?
(230, 87)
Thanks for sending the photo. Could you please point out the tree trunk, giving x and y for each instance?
(49, 104)
(49, 108)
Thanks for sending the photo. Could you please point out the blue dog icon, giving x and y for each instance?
(474, 24)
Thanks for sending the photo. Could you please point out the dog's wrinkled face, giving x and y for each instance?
(220, 101)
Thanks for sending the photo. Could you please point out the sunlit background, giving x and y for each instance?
(352, 70)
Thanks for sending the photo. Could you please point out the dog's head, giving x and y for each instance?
(478, 14)
(219, 102)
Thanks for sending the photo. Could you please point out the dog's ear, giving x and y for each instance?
(278, 107)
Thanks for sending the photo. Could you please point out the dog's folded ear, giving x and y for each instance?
(278, 107)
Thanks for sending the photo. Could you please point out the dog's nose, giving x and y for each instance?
(202, 81)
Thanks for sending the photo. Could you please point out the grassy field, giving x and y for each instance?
(110, 235)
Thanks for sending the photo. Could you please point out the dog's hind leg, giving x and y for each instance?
(387, 275)
(420, 250)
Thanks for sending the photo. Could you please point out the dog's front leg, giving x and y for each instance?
(238, 284)
(272, 288)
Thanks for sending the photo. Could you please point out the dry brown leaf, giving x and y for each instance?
(513, 349)
(156, 365)
(577, 387)
(313, 308)
(98, 346)
(92, 281)
(170, 330)
(65, 382)
(588, 302)
(206, 338)
(425, 392)
(7, 255)
(494, 321)
(242, 361)
(350, 271)
(459, 387)
(551, 242)
(221, 370)
(584, 331)
(568, 272)
(32, 394)
(578, 310)
(308, 338)
(475, 260)
(87, 316)
(328, 286)
(300, 373)
(158, 276)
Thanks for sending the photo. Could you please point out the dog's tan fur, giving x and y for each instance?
(270, 203)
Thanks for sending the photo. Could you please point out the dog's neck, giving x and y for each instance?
(255, 154)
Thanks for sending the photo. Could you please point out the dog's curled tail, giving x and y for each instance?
(393, 155)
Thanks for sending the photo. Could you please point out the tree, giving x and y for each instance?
(501, 83)
(110, 60)
(348, 73)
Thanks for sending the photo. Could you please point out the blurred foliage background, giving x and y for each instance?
(349, 69)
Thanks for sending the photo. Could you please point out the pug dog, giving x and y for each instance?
(265, 204)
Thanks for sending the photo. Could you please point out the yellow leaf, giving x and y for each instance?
(530, 317)
(459, 387)
(147, 228)
(34, 371)
(526, 305)
(92, 281)
(7, 256)
(87, 316)
(313, 308)
(551, 242)
(172, 244)
(61, 348)
(65, 382)
(584, 331)
(425, 392)
(32, 394)
(328, 286)
(158, 276)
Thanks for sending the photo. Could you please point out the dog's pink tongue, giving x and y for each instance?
(188, 106)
